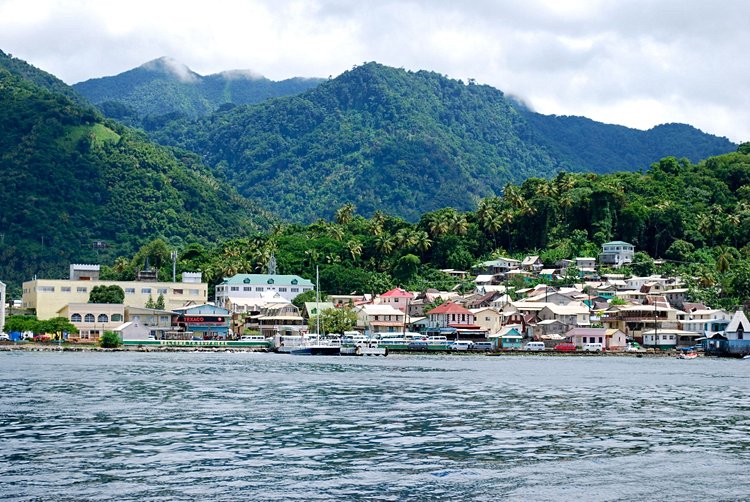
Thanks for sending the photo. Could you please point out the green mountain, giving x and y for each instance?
(406, 143)
(77, 187)
(165, 87)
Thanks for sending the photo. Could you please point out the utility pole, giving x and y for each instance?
(174, 266)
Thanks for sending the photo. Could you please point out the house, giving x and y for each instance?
(706, 321)
(498, 267)
(669, 338)
(634, 320)
(544, 329)
(488, 319)
(243, 286)
(585, 263)
(145, 323)
(207, 321)
(311, 309)
(452, 318)
(92, 319)
(738, 334)
(508, 338)
(532, 264)
(276, 318)
(616, 254)
(397, 298)
(373, 319)
(48, 296)
(571, 316)
(611, 339)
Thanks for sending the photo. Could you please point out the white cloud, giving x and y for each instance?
(633, 62)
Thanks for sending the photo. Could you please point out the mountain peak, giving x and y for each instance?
(172, 67)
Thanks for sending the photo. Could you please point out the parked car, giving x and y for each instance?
(482, 346)
(461, 345)
(634, 347)
(534, 346)
(4, 337)
(566, 347)
(592, 347)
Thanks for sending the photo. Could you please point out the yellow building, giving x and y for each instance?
(48, 296)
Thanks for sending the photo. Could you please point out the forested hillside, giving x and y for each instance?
(406, 143)
(695, 217)
(71, 178)
(164, 89)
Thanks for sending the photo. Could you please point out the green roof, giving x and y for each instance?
(617, 243)
(265, 279)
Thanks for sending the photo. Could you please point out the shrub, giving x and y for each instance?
(110, 340)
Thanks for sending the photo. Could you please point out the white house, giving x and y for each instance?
(380, 319)
(616, 253)
(243, 286)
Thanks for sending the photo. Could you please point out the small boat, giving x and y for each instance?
(315, 345)
(687, 355)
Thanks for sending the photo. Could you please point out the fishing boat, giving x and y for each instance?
(687, 355)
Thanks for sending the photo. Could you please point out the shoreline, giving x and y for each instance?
(27, 347)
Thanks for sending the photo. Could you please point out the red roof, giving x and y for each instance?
(398, 292)
(449, 308)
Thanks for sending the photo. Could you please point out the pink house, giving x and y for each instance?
(396, 298)
(611, 339)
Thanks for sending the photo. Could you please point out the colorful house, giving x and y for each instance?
(396, 298)
(206, 322)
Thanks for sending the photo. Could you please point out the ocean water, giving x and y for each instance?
(251, 426)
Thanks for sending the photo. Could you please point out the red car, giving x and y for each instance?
(565, 347)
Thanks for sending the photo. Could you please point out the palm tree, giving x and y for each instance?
(385, 244)
(355, 249)
(335, 231)
(345, 213)
(725, 259)
(421, 241)
(458, 223)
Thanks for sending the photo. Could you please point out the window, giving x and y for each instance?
(46, 289)
(116, 318)
(102, 318)
(258, 289)
(295, 290)
(194, 292)
(75, 318)
(81, 289)
(247, 288)
(233, 288)
(89, 318)
(177, 291)
(65, 289)
(146, 291)
(162, 291)
(129, 291)
(282, 290)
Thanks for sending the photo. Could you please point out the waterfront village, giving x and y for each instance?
(611, 313)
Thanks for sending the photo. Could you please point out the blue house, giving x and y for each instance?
(206, 322)
(735, 341)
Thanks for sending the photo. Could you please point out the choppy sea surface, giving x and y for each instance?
(251, 426)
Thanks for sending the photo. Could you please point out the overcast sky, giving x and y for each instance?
(638, 63)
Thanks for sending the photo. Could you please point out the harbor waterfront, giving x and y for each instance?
(260, 426)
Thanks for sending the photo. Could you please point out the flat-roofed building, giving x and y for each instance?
(48, 296)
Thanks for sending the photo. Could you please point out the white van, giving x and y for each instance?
(461, 345)
(592, 347)
(534, 346)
